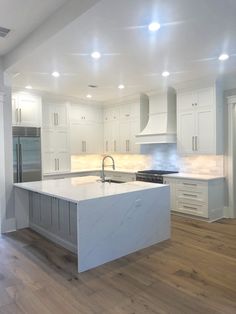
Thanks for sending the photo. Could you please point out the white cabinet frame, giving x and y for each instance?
(231, 156)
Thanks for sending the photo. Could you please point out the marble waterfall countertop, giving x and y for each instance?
(84, 188)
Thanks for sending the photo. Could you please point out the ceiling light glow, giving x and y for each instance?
(89, 96)
(28, 87)
(165, 74)
(121, 86)
(223, 57)
(96, 55)
(154, 27)
(55, 74)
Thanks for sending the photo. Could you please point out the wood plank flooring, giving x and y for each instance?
(194, 272)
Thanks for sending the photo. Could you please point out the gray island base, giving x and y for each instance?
(99, 221)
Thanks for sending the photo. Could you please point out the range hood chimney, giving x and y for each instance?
(161, 125)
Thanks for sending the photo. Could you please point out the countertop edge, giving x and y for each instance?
(194, 177)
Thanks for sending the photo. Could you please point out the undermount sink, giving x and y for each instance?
(112, 181)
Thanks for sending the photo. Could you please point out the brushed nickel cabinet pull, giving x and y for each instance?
(193, 143)
(191, 195)
(191, 184)
(196, 143)
(190, 207)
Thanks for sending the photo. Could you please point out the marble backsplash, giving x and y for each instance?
(161, 157)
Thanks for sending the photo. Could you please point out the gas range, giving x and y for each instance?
(155, 176)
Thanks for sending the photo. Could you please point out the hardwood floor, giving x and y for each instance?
(194, 272)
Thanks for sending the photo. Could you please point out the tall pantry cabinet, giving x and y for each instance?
(55, 138)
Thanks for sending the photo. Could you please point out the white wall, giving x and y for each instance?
(6, 159)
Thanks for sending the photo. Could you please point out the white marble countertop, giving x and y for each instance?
(91, 170)
(84, 188)
(193, 176)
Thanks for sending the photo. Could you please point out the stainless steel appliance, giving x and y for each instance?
(27, 164)
(155, 176)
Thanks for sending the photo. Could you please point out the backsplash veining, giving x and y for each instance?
(160, 156)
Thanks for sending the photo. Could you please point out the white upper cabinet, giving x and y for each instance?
(85, 114)
(26, 110)
(55, 115)
(121, 125)
(200, 121)
(86, 129)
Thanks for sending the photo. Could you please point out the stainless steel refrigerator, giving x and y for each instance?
(27, 154)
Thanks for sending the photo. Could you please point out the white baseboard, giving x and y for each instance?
(8, 225)
(228, 212)
(54, 238)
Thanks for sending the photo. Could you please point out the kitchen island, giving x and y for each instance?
(99, 221)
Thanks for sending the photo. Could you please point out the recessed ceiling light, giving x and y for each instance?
(96, 55)
(154, 27)
(121, 86)
(165, 74)
(223, 57)
(55, 74)
(28, 87)
(89, 96)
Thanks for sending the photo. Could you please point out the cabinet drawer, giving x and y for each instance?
(191, 185)
(190, 207)
(195, 195)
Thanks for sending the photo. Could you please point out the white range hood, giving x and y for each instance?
(161, 126)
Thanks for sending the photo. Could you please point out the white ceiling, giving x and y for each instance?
(22, 17)
(192, 35)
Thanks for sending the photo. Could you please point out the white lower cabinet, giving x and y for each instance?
(202, 198)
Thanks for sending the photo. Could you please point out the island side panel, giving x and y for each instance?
(55, 219)
(21, 208)
(115, 226)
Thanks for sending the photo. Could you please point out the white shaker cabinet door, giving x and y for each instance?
(186, 132)
(61, 141)
(29, 110)
(205, 130)
(187, 101)
(125, 136)
(55, 116)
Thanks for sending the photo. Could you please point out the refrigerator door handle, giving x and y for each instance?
(20, 163)
(17, 164)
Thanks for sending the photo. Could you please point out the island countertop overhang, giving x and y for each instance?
(84, 188)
